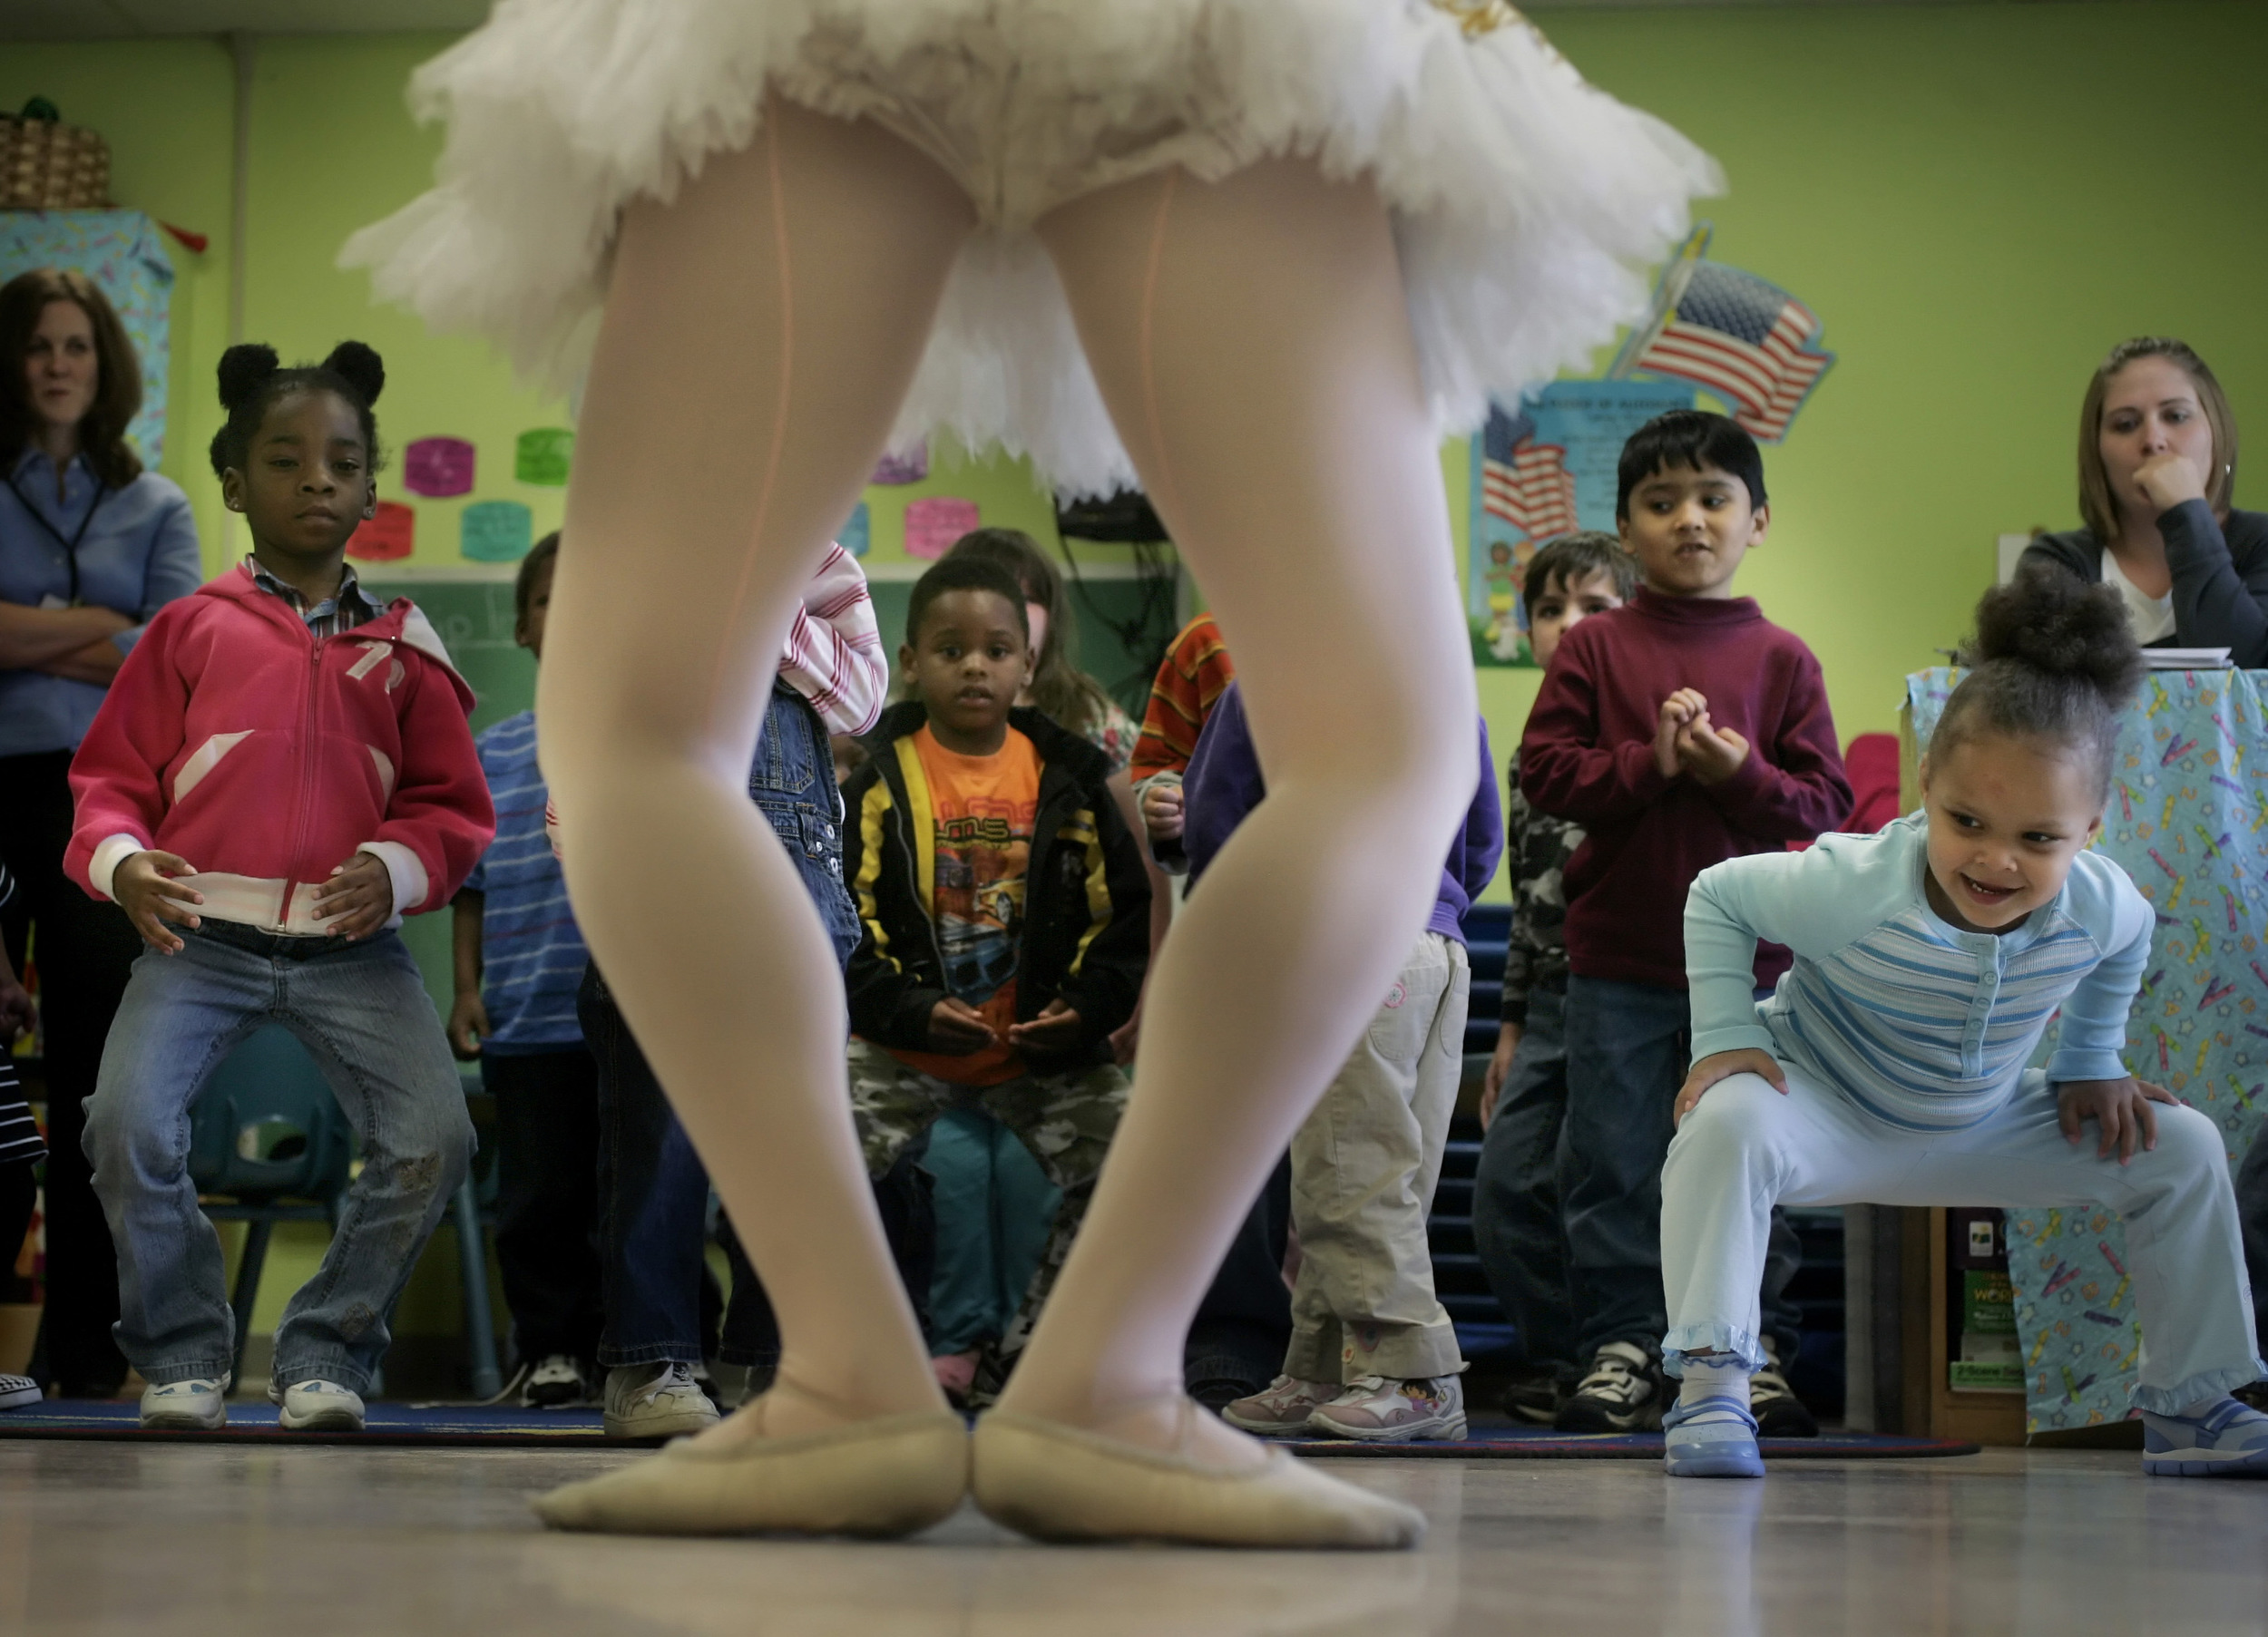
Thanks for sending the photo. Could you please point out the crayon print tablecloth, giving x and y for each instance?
(2188, 821)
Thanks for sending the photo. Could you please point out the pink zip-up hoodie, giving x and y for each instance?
(268, 757)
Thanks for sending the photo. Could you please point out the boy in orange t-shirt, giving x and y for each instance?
(1003, 911)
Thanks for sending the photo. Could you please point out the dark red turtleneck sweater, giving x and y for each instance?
(1588, 755)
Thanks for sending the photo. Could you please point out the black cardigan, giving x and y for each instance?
(2220, 576)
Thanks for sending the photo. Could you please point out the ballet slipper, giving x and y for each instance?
(1059, 1483)
(888, 1477)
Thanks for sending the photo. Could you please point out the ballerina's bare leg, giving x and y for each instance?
(1251, 340)
(1252, 343)
(760, 333)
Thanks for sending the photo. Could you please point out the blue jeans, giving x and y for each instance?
(1517, 1226)
(1628, 1046)
(995, 1207)
(362, 1012)
(653, 1190)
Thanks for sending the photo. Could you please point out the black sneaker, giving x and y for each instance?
(1622, 1393)
(553, 1382)
(1534, 1392)
(1779, 1413)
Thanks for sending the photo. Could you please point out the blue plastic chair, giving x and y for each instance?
(268, 1144)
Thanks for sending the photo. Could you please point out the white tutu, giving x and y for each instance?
(1526, 203)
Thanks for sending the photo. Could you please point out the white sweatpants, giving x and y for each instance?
(1745, 1148)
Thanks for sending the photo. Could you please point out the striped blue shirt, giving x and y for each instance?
(531, 954)
(1923, 1026)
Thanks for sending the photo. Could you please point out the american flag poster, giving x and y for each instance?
(1542, 469)
(1743, 339)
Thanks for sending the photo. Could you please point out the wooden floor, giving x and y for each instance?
(113, 1537)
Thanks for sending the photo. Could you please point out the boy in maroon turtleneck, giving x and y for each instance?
(1679, 730)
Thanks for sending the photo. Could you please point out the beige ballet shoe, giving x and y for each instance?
(888, 1476)
(1062, 1483)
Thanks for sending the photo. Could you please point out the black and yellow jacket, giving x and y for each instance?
(1086, 920)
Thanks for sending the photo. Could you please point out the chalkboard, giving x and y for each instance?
(475, 621)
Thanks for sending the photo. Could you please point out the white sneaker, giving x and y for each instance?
(656, 1401)
(316, 1407)
(18, 1392)
(200, 1406)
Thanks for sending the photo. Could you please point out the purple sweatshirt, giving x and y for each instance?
(1223, 784)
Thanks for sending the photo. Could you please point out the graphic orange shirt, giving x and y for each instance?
(982, 810)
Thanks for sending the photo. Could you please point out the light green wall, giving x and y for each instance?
(1978, 200)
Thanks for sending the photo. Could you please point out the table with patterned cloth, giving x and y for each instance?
(2188, 821)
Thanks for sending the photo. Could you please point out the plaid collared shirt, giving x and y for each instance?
(349, 607)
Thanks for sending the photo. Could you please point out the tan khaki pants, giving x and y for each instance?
(1363, 1168)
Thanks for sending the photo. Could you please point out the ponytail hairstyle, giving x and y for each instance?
(2097, 505)
(117, 379)
(1065, 694)
(2055, 662)
(252, 383)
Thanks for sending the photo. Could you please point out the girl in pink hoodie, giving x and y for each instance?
(280, 773)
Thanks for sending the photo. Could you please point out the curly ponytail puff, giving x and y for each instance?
(252, 381)
(2055, 659)
(360, 367)
(245, 369)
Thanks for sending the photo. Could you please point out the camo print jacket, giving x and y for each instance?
(1539, 847)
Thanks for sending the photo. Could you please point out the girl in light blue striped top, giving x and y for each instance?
(1890, 1066)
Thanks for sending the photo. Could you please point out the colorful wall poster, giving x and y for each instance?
(542, 455)
(2188, 821)
(1541, 470)
(438, 467)
(389, 535)
(495, 532)
(121, 251)
(856, 534)
(934, 523)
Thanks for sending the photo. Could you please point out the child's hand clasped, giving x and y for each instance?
(1161, 812)
(144, 886)
(1724, 1065)
(356, 899)
(2122, 1107)
(958, 1029)
(1711, 754)
(1055, 1028)
(1678, 710)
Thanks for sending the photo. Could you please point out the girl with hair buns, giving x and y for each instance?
(1890, 1066)
(91, 547)
(2157, 469)
(281, 772)
(1257, 255)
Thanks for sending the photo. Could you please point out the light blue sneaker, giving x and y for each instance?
(2229, 1440)
(1722, 1446)
(198, 1405)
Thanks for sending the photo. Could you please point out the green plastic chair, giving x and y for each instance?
(268, 1144)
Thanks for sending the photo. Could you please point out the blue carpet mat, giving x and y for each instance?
(494, 1426)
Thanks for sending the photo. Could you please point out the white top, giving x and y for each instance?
(2151, 617)
(1922, 1025)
